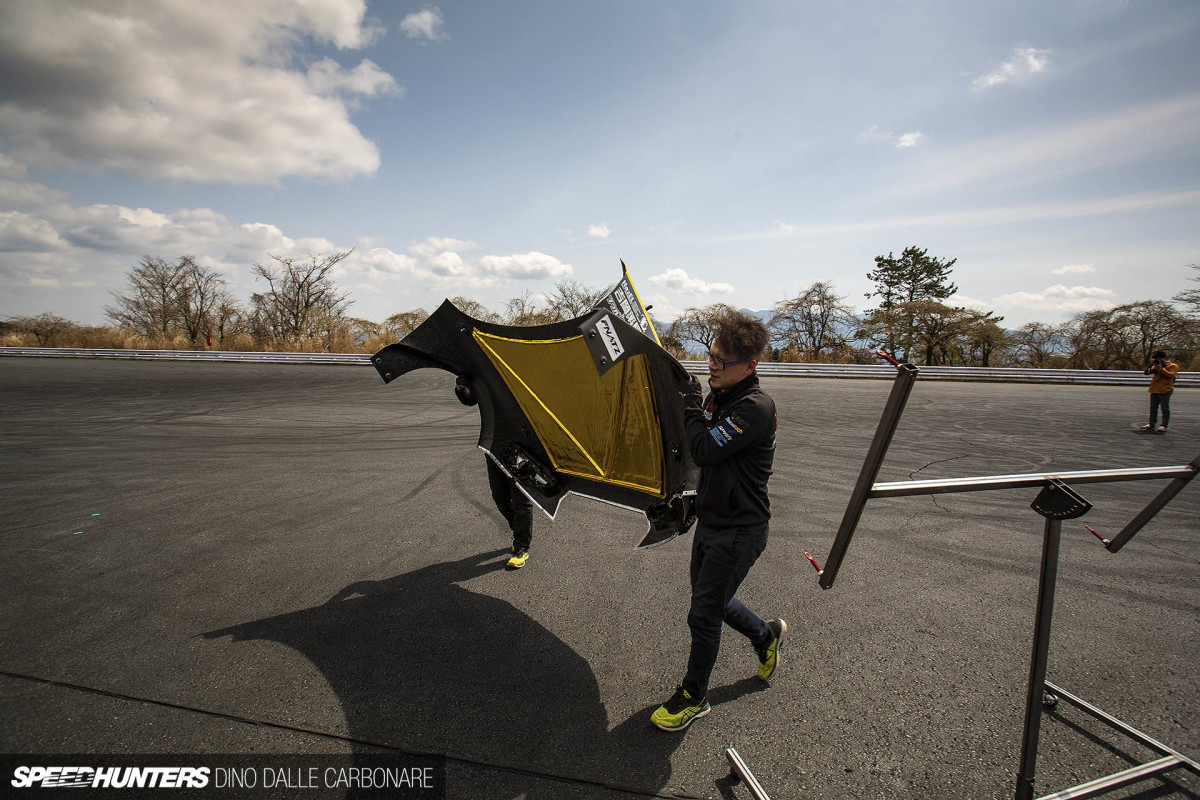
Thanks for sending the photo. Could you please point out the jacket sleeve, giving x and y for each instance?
(742, 426)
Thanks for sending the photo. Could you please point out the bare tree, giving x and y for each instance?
(1191, 297)
(1038, 345)
(571, 299)
(1087, 336)
(984, 339)
(814, 321)
(150, 303)
(402, 324)
(936, 329)
(1148, 326)
(698, 325)
(475, 309)
(200, 293)
(523, 310)
(228, 318)
(1124, 337)
(47, 329)
(363, 329)
(937, 334)
(301, 301)
(163, 299)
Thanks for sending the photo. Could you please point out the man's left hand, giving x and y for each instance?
(693, 396)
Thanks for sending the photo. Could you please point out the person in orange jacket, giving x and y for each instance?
(1162, 383)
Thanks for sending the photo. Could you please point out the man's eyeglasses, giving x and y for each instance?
(721, 363)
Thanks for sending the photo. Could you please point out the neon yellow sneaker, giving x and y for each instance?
(678, 712)
(518, 559)
(768, 655)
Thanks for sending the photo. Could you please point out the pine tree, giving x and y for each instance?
(911, 277)
(902, 282)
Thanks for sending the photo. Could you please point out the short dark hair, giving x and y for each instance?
(741, 336)
(1159, 354)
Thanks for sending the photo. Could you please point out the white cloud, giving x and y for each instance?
(1073, 269)
(875, 132)
(677, 280)
(599, 231)
(208, 92)
(1003, 215)
(23, 233)
(526, 266)
(1025, 62)
(449, 265)
(904, 140)
(436, 264)
(377, 264)
(327, 77)
(960, 299)
(424, 24)
(664, 307)
(49, 248)
(1061, 299)
(51, 244)
(435, 244)
(1161, 128)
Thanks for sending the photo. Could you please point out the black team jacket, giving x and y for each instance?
(731, 437)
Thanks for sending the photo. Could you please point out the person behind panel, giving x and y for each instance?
(510, 501)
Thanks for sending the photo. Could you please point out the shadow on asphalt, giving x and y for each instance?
(421, 664)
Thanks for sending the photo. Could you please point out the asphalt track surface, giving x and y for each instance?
(236, 558)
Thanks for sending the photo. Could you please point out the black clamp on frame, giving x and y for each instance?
(1059, 501)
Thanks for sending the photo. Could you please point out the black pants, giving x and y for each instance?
(721, 557)
(1162, 401)
(513, 505)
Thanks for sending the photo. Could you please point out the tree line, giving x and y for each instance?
(915, 322)
(185, 305)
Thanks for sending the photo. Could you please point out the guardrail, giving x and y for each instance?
(1112, 377)
(334, 359)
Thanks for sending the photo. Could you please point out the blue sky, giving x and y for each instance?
(729, 152)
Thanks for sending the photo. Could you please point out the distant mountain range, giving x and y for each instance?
(765, 316)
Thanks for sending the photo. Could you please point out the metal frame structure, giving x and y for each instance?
(742, 772)
(1056, 501)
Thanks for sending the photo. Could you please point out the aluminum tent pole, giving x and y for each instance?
(1153, 507)
(1037, 666)
(1055, 502)
(906, 374)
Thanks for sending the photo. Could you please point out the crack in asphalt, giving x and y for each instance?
(912, 476)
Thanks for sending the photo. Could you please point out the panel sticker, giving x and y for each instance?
(612, 342)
